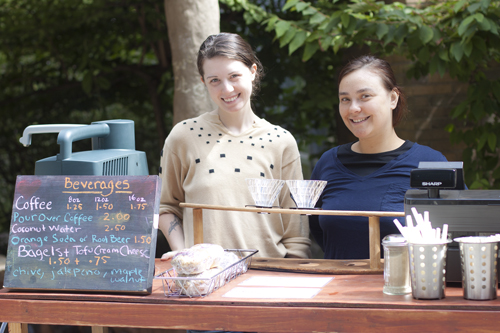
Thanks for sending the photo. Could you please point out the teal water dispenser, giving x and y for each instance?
(113, 149)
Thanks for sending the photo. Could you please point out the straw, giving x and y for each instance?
(400, 228)
(418, 217)
(409, 222)
(422, 232)
(445, 232)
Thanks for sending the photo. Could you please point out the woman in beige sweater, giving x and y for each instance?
(207, 159)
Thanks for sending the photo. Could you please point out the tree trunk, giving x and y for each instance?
(189, 23)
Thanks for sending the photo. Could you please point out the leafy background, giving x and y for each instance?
(83, 61)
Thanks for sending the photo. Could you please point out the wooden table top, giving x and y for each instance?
(346, 291)
(350, 302)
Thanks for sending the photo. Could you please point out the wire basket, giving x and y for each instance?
(180, 286)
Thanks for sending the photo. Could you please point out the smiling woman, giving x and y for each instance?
(206, 160)
(229, 83)
(366, 108)
(373, 173)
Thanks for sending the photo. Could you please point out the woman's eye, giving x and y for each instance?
(344, 100)
(365, 96)
(214, 80)
(234, 76)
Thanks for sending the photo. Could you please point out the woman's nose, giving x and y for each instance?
(227, 86)
(354, 107)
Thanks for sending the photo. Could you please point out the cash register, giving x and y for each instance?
(439, 188)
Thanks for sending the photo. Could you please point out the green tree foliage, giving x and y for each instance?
(300, 96)
(87, 60)
(460, 38)
(78, 62)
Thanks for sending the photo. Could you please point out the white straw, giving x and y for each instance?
(400, 228)
(426, 217)
(418, 217)
(409, 222)
(444, 235)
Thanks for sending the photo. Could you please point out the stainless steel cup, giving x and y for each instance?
(479, 267)
(396, 265)
(428, 269)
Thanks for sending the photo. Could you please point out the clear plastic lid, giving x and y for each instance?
(394, 240)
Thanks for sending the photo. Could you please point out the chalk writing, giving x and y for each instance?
(83, 233)
(16, 217)
(103, 187)
(33, 204)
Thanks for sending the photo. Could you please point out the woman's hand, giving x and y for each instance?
(168, 255)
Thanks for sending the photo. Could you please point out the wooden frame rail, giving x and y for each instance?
(373, 222)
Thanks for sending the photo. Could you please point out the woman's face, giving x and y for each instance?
(229, 83)
(366, 105)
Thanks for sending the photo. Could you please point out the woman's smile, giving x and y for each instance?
(357, 121)
(230, 99)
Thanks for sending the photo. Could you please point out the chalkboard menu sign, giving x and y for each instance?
(88, 233)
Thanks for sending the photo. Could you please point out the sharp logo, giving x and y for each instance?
(432, 183)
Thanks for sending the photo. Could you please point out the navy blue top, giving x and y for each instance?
(347, 237)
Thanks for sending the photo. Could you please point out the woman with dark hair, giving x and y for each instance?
(207, 159)
(373, 173)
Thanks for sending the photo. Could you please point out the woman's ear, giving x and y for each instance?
(394, 98)
(253, 70)
(201, 78)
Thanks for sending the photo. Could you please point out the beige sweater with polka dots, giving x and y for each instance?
(202, 162)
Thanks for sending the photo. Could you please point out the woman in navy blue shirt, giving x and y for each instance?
(373, 173)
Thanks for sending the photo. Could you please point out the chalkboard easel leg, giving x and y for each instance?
(99, 329)
(18, 328)
(374, 232)
(198, 225)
